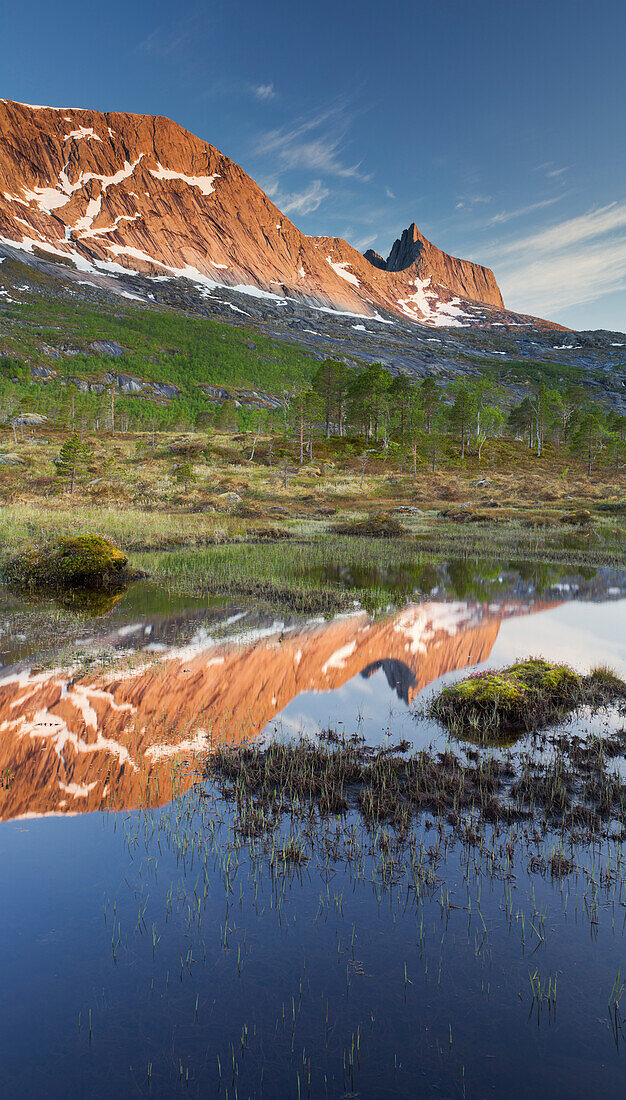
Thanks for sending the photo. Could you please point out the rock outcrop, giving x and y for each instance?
(114, 192)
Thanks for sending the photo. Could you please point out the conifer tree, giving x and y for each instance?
(184, 475)
(72, 460)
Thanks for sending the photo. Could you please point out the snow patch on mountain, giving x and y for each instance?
(348, 313)
(27, 244)
(47, 198)
(134, 253)
(205, 183)
(93, 209)
(83, 132)
(53, 198)
(420, 306)
(340, 270)
(106, 228)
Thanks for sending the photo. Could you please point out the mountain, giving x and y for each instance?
(120, 193)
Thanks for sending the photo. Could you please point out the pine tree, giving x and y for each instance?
(591, 435)
(462, 413)
(429, 398)
(72, 460)
(330, 383)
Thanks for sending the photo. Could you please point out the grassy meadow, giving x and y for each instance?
(198, 512)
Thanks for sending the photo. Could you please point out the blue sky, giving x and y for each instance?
(497, 125)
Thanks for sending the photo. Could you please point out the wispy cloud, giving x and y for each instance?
(231, 88)
(472, 200)
(550, 171)
(595, 223)
(298, 202)
(573, 262)
(264, 92)
(163, 43)
(314, 144)
(389, 193)
(509, 215)
(364, 242)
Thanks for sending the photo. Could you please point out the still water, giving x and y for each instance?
(146, 950)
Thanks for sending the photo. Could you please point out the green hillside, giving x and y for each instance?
(43, 329)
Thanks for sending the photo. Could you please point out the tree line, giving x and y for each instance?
(381, 410)
(388, 410)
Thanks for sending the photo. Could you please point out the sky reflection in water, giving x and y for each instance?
(144, 954)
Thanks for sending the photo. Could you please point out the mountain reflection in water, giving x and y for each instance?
(120, 738)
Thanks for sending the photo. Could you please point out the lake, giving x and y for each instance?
(149, 948)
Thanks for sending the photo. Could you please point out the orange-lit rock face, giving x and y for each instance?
(142, 193)
(118, 740)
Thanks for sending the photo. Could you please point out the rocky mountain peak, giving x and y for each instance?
(413, 253)
(406, 250)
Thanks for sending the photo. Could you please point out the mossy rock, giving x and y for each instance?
(464, 515)
(541, 675)
(269, 534)
(78, 561)
(379, 526)
(528, 695)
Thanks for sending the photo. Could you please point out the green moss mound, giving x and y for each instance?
(529, 695)
(381, 526)
(79, 561)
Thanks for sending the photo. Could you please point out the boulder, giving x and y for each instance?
(107, 347)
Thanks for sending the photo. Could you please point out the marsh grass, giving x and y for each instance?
(272, 574)
(131, 528)
(331, 572)
(300, 574)
(572, 787)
